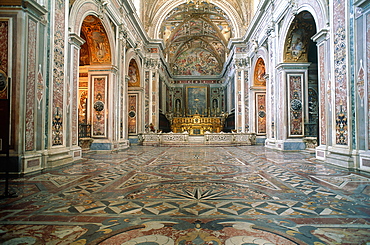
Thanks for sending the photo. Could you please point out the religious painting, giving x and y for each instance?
(259, 73)
(197, 100)
(133, 74)
(296, 44)
(196, 62)
(97, 41)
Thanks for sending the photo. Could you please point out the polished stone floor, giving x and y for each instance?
(190, 195)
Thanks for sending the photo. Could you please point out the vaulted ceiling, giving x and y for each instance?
(196, 33)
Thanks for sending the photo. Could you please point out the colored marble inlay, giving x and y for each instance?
(99, 106)
(30, 89)
(4, 29)
(246, 100)
(147, 74)
(340, 72)
(189, 195)
(33, 163)
(132, 113)
(58, 73)
(295, 105)
(368, 70)
(74, 108)
(40, 87)
(261, 113)
(322, 95)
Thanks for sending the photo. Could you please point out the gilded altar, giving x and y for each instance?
(197, 124)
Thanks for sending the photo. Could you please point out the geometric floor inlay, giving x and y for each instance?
(189, 195)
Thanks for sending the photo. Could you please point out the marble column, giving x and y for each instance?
(75, 42)
(322, 40)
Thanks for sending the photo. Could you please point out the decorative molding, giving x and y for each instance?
(76, 40)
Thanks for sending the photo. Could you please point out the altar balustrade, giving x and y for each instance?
(224, 139)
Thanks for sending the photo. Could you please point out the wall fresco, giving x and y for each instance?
(4, 28)
(99, 107)
(259, 73)
(295, 105)
(322, 93)
(340, 72)
(196, 62)
(133, 74)
(30, 86)
(97, 40)
(58, 73)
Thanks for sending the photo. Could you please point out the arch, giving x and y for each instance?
(259, 72)
(316, 8)
(97, 42)
(131, 55)
(79, 11)
(166, 9)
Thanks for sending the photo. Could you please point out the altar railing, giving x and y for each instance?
(157, 139)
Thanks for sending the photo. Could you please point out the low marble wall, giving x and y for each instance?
(157, 139)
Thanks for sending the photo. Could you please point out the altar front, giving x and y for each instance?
(197, 124)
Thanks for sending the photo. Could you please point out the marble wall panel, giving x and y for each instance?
(30, 86)
(322, 95)
(295, 83)
(246, 100)
(132, 113)
(75, 98)
(147, 74)
(261, 113)
(99, 105)
(340, 72)
(58, 73)
(4, 50)
(368, 72)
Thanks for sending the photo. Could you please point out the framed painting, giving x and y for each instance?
(196, 100)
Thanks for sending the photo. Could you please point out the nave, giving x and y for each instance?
(190, 195)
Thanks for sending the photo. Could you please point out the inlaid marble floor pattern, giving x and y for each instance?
(189, 195)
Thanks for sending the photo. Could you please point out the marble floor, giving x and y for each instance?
(190, 195)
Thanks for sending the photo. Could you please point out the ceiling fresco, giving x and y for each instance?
(196, 38)
(196, 33)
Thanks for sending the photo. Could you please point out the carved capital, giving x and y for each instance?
(152, 63)
(241, 63)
